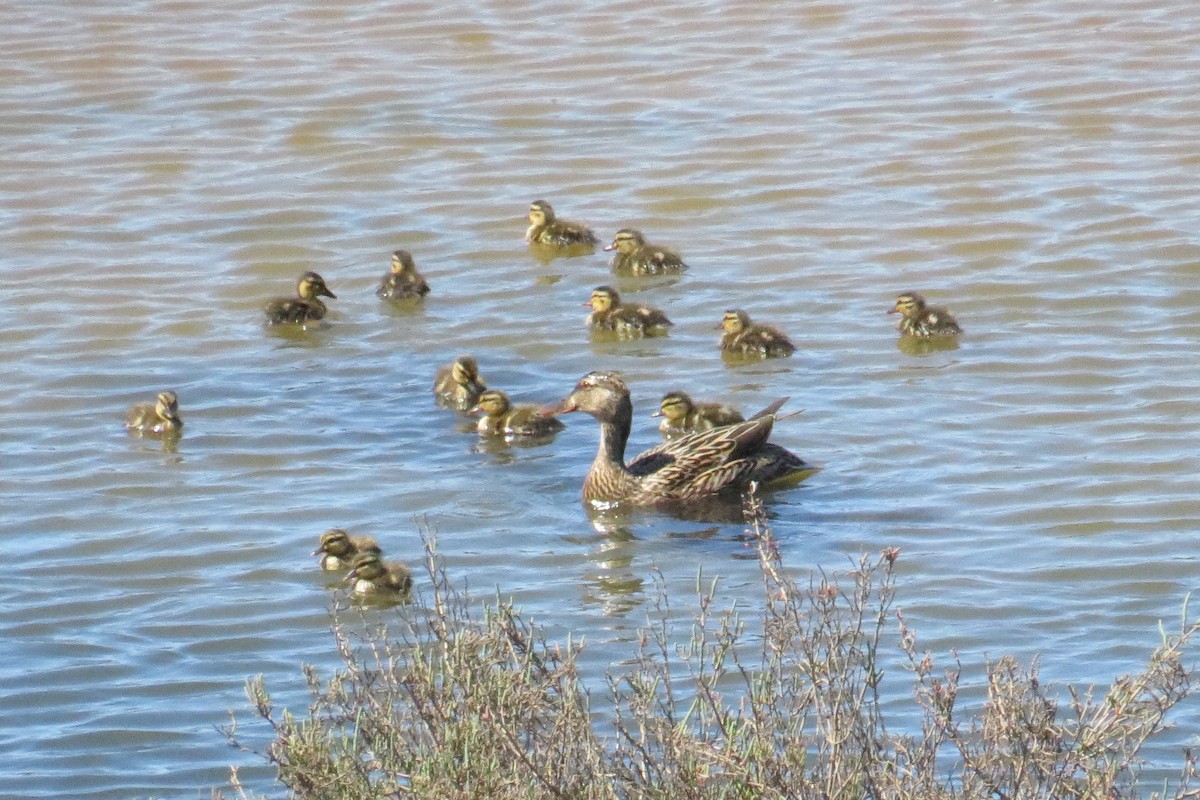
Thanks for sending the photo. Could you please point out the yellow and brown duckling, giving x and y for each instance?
(922, 321)
(681, 415)
(743, 336)
(160, 418)
(457, 385)
(402, 282)
(610, 314)
(699, 465)
(634, 256)
(502, 418)
(305, 307)
(371, 576)
(546, 229)
(338, 548)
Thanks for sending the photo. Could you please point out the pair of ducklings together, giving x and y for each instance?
(369, 574)
(402, 282)
(632, 254)
(457, 385)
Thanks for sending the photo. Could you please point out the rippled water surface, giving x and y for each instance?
(169, 166)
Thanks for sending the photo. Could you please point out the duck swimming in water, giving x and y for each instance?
(680, 415)
(546, 229)
(922, 321)
(743, 336)
(402, 282)
(502, 418)
(370, 576)
(634, 256)
(305, 307)
(610, 314)
(457, 385)
(338, 548)
(158, 418)
(696, 466)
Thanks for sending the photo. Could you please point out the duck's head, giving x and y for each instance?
(464, 371)
(735, 321)
(402, 262)
(602, 394)
(908, 305)
(603, 299)
(626, 241)
(675, 406)
(312, 285)
(366, 566)
(540, 213)
(167, 406)
(334, 542)
(492, 403)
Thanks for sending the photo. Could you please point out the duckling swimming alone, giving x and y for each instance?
(403, 282)
(305, 307)
(338, 548)
(610, 314)
(546, 229)
(371, 576)
(502, 418)
(159, 417)
(457, 385)
(680, 415)
(921, 321)
(743, 336)
(635, 257)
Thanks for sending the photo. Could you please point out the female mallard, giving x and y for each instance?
(402, 282)
(610, 314)
(680, 415)
(750, 338)
(921, 321)
(305, 307)
(338, 548)
(160, 417)
(502, 418)
(457, 385)
(635, 257)
(718, 461)
(545, 229)
(371, 576)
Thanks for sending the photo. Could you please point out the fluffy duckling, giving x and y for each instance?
(403, 281)
(305, 307)
(610, 314)
(338, 548)
(920, 320)
(545, 229)
(635, 256)
(750, 338)
(160, 417)
(502, 418)
(371, 576)
(457, 385)
(680, 415)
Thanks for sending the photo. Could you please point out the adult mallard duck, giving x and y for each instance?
(371, 576)
(635, 256)
(680, 415)
(402, 282)
(338, 548)
(158, 418)
(920, 320)
(457, 385)
(305, 307)
(610, 314)
(546, 229)
(751, 338)
(693, 467)
(502, 418)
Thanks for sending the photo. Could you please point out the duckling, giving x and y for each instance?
(502, 418)
(403, 281)
(371, 576)
(338, 548)
(545, 229)
(749, 338)
(457, 385)
(160, 417)
(305, 307)
(610, 314)
(681, 415)
(917, 319)
(635, 257)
